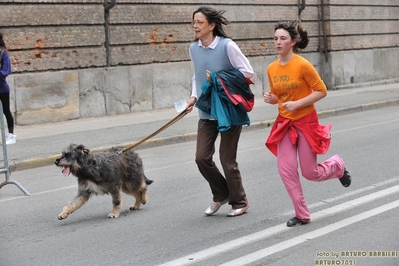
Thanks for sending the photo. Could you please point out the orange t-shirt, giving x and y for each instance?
(293, 81)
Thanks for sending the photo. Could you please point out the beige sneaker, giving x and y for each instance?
(237, 212)
(215, 206)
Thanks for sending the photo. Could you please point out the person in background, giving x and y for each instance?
(213, 51)
(5, 70)
(296, 134)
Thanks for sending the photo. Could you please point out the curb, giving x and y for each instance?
(46, 161)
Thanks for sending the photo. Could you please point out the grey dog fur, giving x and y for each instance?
(99, 173)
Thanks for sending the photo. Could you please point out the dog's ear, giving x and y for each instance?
(83, 149)
(80, 147)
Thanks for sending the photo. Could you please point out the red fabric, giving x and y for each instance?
(249, 81)
(236, 98)
(318, 136)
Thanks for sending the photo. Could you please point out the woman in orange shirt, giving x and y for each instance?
(295, 86)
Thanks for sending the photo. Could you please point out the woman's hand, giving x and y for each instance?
(208, 76)
(291, 105)
(267, 97)
(190, 104)
(308, 100)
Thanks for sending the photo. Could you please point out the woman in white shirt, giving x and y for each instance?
(214, 51)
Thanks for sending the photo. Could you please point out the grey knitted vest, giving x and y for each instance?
(209, 59)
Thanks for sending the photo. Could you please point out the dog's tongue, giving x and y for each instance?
(66, 171)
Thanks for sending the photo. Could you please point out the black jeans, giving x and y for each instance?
(5, 101)
(222, 187)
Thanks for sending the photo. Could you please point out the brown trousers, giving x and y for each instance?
(222, 187)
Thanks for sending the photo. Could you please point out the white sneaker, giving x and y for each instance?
(11, 139)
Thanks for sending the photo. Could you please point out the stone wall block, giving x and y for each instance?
(92, 93)
(46, 97)
(349, 67)
(364, 66)
(325, 71)
(50, 14)
(142, 13)
(259, 64)
(46, 37)
(370, 12)
(57, 59)
(389, 64)
(172, 82)
(141, 82)
(149, 53)
(118, 91)
(337, 65)
(147, 34)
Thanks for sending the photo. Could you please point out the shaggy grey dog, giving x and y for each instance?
(101, 173)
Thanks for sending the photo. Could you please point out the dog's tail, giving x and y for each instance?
(148, 181)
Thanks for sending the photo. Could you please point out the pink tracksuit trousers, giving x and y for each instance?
(287, 164)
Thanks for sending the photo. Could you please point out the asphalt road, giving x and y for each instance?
(350, 226)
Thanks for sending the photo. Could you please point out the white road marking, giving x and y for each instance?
(348, 194)
(216, 250)
(263, 253)
(365, 126)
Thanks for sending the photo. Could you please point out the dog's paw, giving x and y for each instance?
(113, 215)
(62, 216)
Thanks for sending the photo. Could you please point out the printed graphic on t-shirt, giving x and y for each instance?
(283, 86)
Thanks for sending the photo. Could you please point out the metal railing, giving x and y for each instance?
(6, 169)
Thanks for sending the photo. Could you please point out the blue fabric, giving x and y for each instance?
(217, 104)
(5, 70)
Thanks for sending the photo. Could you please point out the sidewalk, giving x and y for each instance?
(39, 145)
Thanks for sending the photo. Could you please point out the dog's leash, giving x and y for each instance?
(171, 122)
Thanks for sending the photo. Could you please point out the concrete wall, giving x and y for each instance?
(63, 68)
(359, 42)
